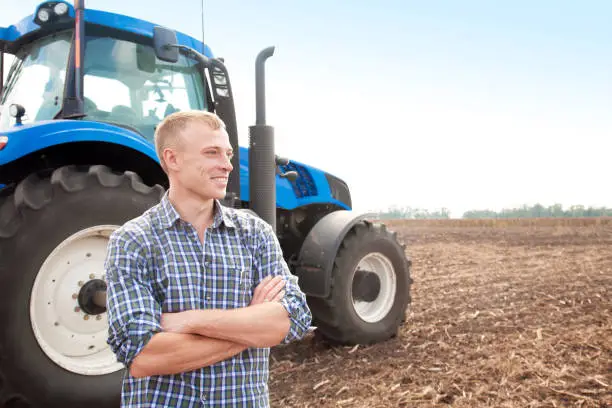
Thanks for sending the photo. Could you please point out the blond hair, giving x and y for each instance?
(168, 132)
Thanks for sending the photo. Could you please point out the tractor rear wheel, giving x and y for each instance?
(370, 291)
(53, 236)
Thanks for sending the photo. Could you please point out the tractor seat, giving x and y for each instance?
(123, 114)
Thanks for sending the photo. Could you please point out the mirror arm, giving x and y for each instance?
(191, 52)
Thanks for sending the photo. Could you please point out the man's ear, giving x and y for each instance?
(171, 158)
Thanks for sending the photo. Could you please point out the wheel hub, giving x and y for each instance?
(91, 297)
(366, 286)
(67, 306)
(374, 287)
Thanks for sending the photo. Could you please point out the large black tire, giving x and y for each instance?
(336, 317)
(34, 220)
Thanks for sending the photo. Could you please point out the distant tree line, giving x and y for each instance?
(396, 212)
(525, 211)
(539, 211)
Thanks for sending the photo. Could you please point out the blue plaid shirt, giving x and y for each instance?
(157, 264)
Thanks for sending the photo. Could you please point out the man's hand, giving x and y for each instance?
(269, 290)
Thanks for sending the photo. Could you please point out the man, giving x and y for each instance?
(198, 292)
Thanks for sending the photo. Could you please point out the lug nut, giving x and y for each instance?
(74, 296)
(77, 309)
(86, 317)
(80, 283)
(91, 276)
(98, 317)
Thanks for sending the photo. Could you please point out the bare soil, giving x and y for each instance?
(504, 314)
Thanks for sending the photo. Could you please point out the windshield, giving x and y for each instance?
(124, 83)
(36, 80)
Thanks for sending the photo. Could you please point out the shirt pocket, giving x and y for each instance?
(184, 286)
(233, 281)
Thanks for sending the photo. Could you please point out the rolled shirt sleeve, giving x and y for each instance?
(133, 313)
(270, 261)
(300, 316)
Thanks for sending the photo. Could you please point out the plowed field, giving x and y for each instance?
(504, 314)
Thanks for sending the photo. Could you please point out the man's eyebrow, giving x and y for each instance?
(230, 150)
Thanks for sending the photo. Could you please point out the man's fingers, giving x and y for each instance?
(269, 284)
(275, 290)
(265, 282)
(268, 289)
(259, 290)
(278, 297)
(260, 293)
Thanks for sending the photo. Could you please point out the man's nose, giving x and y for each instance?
(227, 164)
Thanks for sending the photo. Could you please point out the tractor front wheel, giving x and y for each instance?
(53, 236)
(370, 288)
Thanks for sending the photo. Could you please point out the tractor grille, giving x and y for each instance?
(339, 189)
(304, 185)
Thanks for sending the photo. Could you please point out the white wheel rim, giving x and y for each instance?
(71, 338)
(377, 309)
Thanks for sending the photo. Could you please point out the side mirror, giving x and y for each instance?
(165, 43)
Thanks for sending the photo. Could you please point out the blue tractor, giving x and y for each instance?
(78, 111)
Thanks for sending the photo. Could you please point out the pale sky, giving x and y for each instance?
(440, 103)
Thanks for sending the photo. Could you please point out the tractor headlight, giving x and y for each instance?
(60, 9)
(339, 189)
(43, 15)
(52, 12)
(16, 110)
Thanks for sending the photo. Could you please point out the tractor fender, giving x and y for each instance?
(26, 139)
(316, 259)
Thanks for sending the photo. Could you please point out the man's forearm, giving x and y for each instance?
(173, 353)
(261, 325)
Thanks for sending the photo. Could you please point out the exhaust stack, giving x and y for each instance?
(262, 163)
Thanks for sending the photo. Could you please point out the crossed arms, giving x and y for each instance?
(150, 342)
(198, 338)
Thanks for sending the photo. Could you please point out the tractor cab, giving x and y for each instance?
(126, 85)
(123, 82)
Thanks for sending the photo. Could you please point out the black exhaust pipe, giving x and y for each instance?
(73, 95)
(262, 163)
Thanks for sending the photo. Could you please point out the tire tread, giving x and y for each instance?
(34, 193)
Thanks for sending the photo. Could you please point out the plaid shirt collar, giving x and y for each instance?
(167, 214)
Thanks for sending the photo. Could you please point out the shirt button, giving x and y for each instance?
(203, 397)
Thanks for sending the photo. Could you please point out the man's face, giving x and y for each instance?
(201, 162)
